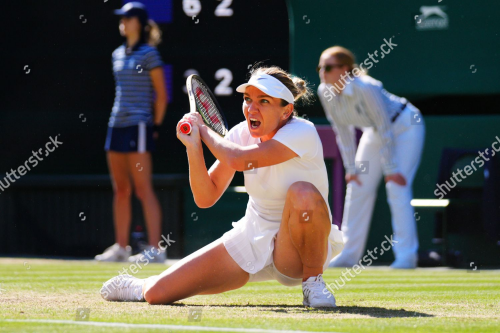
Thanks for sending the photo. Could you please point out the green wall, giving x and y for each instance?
(424, 63)
(457, 61)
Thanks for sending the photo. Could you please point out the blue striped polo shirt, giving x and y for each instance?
(134, 88)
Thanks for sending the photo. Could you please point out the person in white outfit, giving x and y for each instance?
(391, 145)
(286, 234)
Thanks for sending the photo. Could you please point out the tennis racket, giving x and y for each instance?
(202, 100)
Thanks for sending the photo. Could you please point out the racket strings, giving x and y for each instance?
(207, 107)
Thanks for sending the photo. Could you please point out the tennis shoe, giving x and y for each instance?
(124, 288)
(316, 294)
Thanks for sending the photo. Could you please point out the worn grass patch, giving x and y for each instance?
(377, 300)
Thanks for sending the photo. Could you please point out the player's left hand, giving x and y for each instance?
(194, 118)
(397, 178)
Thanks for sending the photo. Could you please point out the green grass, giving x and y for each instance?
(377, 300)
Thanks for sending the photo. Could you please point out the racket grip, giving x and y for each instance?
(185, 127)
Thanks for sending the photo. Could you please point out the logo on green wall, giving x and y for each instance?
(431, 18)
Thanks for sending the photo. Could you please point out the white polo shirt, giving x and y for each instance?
(250, 243)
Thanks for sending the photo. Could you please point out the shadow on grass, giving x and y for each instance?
(370, 311)
(378, 312)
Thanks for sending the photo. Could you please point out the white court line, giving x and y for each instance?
(154, 326)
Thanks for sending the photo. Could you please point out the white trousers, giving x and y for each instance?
(359, 202)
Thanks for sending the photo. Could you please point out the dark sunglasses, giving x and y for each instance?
(328, 67)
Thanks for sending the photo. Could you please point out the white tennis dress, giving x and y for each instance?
(251, 241)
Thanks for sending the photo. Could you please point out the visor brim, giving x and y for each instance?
(242, 87)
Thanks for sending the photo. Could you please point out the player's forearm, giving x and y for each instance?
(225, 151)
(199, 179)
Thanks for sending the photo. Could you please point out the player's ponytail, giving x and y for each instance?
(297, 86)
(302, 90)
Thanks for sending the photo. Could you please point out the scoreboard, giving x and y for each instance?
(220, 41)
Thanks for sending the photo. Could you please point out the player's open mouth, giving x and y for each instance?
(254, 123)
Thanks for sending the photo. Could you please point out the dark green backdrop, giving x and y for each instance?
(424, 63)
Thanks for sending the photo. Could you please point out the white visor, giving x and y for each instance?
(268, 85)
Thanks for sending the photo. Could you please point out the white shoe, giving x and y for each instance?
(124, 288)
(316, 294)
(149, 254)
(115, 253)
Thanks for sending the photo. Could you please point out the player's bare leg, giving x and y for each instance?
(301, 246)
(210, 270)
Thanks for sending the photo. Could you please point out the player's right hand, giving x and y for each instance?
(352, 177)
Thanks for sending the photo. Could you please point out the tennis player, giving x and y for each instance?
(391, 145)
(286, 234)
(135, 117)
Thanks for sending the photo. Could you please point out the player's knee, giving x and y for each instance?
(305, 196)
(151, 295)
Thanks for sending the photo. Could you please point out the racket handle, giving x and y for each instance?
(185, 127)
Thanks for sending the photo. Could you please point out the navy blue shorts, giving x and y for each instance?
(132, 139)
